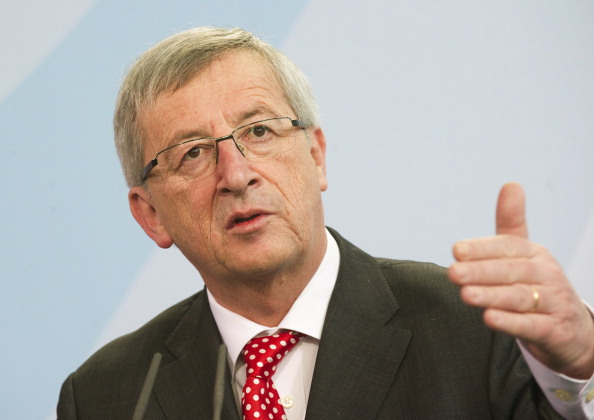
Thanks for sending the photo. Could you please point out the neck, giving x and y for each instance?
(263, 305)
(264, 299)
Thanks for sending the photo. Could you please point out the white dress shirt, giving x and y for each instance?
(294, 372)
(573, 399)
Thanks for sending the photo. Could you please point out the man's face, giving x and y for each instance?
(247, 218)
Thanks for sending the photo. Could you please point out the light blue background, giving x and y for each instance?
(428, 108)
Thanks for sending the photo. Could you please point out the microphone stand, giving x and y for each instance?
(147, 387)
(219, 387)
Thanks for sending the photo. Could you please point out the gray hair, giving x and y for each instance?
(174, 62)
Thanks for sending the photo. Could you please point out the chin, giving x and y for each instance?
(262, 262)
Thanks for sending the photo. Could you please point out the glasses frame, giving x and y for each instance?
(155, 161)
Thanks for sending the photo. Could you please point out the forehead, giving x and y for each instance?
(233, 88)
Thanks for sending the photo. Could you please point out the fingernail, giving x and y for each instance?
(497, 318)
(475, 294)
(461, 249)
(460, 272)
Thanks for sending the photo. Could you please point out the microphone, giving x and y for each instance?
(219, 386)
(147, 387)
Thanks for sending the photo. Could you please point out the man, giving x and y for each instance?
(221, 146)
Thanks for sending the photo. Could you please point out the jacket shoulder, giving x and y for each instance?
(134, 350)
(424, 291)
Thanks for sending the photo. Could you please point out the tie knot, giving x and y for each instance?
(262, 354)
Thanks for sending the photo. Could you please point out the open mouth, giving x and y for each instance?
(245, 219)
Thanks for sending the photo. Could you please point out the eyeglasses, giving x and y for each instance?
(197, 158)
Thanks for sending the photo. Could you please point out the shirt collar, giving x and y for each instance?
(306, 315)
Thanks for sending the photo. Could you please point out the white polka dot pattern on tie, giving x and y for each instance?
(259, 399)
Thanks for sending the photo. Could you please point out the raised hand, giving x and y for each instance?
(524, 291)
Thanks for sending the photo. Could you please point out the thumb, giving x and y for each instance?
(511, 211)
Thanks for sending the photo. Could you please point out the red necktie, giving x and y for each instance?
(260, 400)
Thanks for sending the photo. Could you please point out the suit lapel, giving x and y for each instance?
(185, 382)
(359, 353)
(357, 360)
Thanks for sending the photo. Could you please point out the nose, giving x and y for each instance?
(233, 169)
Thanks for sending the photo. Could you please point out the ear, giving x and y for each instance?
(146, 215)
(318, 152)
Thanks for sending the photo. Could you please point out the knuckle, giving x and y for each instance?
(509, 249)
(514, 271)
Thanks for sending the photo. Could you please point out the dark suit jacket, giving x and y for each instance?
(397, 343)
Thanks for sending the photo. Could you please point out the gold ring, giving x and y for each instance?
(535, 299)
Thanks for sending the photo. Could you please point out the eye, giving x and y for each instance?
(259, 131)
(192, 150)
(193, 153)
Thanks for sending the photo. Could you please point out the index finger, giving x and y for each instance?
(500, 246)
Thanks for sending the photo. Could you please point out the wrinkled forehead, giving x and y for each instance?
(232, 88)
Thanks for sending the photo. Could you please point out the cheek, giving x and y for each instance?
(300, 184)
(188, 212)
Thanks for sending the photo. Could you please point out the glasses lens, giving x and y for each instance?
(188, 160)
(265, 139)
